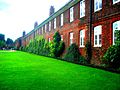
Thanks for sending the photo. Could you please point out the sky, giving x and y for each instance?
(17, 16)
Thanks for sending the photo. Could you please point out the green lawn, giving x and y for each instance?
(24, 71)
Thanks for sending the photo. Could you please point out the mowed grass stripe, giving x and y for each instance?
(24, 71)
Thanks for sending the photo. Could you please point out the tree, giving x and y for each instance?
(2, 37)
(2, 44)
(9, 43)
(2, 41)
(58, 46)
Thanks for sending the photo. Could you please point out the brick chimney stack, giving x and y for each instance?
(35, 24)
(52, 10)
(24, 33)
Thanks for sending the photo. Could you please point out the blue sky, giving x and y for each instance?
(19, 15)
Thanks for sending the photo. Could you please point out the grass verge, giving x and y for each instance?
(24, 71)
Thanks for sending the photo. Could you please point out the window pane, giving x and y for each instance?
(100, 40)
(71, 38)
(71, 14)
(61, 37)
(61, 19)
(95, 39)
(97, 5)
(82, 8)
(115, 37)
(49, 26)
(82, 36)
(116, 26)
(45, 27)
(71, 41)
(55, 23)
(48, 39)
(81, 41)
(100, 3)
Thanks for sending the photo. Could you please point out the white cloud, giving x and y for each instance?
(21, 14)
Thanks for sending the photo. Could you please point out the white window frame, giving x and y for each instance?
(61, 19)
(61, 37)
(71, 14)
(82, 8)
(54, 23)
(50, 26)
(48, 39)
(71, 38)
(45, 28)
(99, 3)
(98, 36)
(115, 1)
(42, 30)
(82, 38)
(116, 26)
(39, 31)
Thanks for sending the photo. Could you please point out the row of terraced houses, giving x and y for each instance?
(80, 21)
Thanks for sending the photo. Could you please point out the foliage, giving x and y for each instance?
(38, 46)
(56, 37)
(2, 37)
(2, 44)
(6, 44)
(73, 55)
(58, 46)
(9, 43)
(82, 60)
(42, 47)
(112, 55)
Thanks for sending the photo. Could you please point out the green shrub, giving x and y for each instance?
(82, 60)
(112, 55)
(61, 47)
(38, 46)
(56, 37)
(57, 46)
(73, 55)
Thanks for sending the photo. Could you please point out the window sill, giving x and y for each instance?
(97, 10)
(116, 2)
(82, 46)
(97, 46)
(82, 16)
(71, 21)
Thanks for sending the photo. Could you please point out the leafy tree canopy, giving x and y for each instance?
(2, 37)
(9, 41)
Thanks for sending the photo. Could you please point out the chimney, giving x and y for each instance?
(52, 10)
(35, 24)
(23, 33)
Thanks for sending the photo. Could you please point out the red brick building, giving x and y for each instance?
(80, 21)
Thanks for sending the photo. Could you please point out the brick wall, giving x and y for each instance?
(105, 17)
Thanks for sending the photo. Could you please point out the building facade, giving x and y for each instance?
(82, 21)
